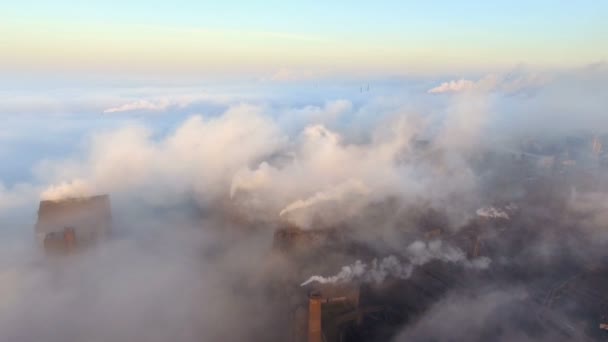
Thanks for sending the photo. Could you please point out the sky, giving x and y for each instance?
(294, 39)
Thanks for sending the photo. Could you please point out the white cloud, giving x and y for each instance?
(453, 86)
(142, 98)
(157, 105)
(508, 83)
(179, 99)
(328, 114)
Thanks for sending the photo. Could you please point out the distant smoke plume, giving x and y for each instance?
(497, 213)
(421, 253)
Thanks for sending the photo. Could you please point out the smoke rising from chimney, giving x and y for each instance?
(197, 199)
(418, 253)
(349, 188)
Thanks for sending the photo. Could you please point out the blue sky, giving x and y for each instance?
(350, 17)
(367, 38)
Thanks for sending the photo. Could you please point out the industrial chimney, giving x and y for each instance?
(314, 317)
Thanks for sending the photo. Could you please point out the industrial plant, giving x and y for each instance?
(381, 288)
(565, 300)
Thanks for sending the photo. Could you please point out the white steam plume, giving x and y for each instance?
(419, 254)
(248, 180)
(74, 188)
(496, 213)
(186, 161)
(336, 193)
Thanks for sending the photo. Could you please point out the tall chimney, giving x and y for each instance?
(314, 317)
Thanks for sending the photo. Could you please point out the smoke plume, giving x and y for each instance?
(419, 253)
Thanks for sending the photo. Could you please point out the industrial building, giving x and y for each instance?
(355, 311)
(359, 311)
(67, 224)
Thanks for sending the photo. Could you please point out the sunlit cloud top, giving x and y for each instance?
(281, 40)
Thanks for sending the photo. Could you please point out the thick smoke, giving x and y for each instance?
(189, 161)
(196, 202)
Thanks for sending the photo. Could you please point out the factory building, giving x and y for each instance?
(67, 224)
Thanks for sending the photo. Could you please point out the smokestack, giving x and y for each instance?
(314, 317)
